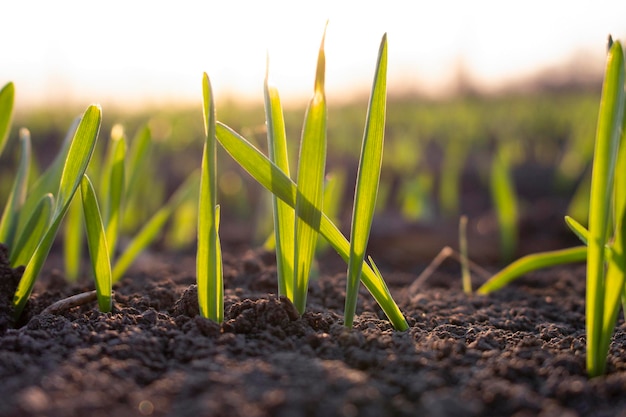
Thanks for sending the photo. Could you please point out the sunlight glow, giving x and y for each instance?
(129, 52)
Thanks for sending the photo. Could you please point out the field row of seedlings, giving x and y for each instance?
(100, 204)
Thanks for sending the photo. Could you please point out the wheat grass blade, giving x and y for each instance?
(531, 263)
(284, 217)
(73, 239)
(97, 243)
(605, 152)
(33, 231)
(368, 177)
(115, 178)
(10, 216)
(7, 97)
(271, 177)
(505, 201)
(208, 260)
(311, 166)
(78, 157)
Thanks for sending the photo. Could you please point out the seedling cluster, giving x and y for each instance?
(302, 209)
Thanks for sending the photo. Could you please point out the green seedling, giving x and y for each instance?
(7, 97)
(605, 284)
(606, 261)
(300, 241)
(367, 182)
(120, 171)
(505, 202)
(451, 173)
(78, 156)
(209, 255)
(97, 242)
(284, 216)
(295, 238)
(415, 197)
(113, 186)
(10, 215)
(153, 227)
(310, 183)
(272, 178)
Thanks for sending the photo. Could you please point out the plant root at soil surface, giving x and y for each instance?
(520, 351)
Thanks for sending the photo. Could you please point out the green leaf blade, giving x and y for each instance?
(7, 98)
(505, 201)
(97, 243)
(284, 216)
(368, 177)
(10, 216)
(610, 121)
(531, 263)
(116, 189)
(272, 178)
(78, 156)
(76, 162)
(33, 230)
(208, 256)
(311, 167)
(73, 239)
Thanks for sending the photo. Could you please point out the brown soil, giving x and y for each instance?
(520, 351)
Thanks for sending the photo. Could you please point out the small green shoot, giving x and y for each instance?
(78, 157)
(505, 201)
(209, 257)
(465, 269)
(98, 250)
(113, 185)
(10, 215)
(7, 97)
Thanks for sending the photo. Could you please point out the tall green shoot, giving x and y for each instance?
(97, 242)
(208, 256)
(599, 308)
(606, 261)
(311, 165)
(368, 177)
(284, 216)
(274, 179)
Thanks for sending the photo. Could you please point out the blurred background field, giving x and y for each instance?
(437, 160)
(478, 91)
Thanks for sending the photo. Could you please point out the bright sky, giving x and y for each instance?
(132, 51)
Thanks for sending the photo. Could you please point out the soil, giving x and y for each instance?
(517, 352)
